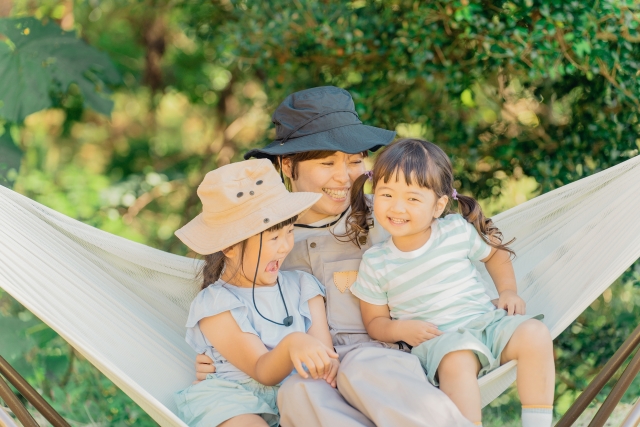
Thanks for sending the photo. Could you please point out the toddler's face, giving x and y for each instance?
(406, 211)
(276, 245)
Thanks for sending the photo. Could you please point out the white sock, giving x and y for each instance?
(537, 416)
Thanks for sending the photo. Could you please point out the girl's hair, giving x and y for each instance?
(430, 167)
(215, 263)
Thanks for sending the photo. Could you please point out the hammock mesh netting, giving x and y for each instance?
(123, 305)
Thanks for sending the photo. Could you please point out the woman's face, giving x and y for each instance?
(330, 176)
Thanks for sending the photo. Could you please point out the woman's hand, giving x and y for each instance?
(316, 356)
(204, 366)
(415, 332)
(510, 302)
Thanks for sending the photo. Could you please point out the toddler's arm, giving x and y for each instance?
(380, 326)
(500, 269)
(320, 330)
(246, 351)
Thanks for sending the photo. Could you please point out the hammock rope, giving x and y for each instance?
(123, 305)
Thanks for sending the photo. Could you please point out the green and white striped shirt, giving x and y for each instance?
(436, 283)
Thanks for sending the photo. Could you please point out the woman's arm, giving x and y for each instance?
(246, 351)
(500, 269)
(380, 326)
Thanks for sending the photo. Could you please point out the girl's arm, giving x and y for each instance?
(500, 269)
(320, 330)
(319, 325)
(380, 326)
(245, 351)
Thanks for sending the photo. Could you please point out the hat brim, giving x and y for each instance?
(206, 239)
(349, 139)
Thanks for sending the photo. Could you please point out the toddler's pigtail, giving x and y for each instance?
(472, 212)
(212, 268)
(357, 222)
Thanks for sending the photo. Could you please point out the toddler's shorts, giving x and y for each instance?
(215, 400)
(486, 336)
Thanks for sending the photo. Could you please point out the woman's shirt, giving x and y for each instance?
(436, 283)
(335, 262)
(297, 289)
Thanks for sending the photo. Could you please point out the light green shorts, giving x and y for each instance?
(486, 336)
(215, 400)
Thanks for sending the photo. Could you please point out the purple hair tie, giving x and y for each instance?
(369, 175)
(455, 194)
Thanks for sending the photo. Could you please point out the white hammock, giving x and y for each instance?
(123, 305)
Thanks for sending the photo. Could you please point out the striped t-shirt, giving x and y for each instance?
(435, 283)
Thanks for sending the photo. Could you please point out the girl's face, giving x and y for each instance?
(276, 245)
(332, 177)
(406, 211)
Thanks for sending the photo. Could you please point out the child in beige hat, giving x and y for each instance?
(257, 323)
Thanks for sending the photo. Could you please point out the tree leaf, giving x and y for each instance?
(38, 60)
(10, 157)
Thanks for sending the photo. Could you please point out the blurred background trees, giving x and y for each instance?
(112, 111)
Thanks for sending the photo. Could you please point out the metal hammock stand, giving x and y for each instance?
(613, 365)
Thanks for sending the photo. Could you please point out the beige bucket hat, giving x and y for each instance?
(240, 200)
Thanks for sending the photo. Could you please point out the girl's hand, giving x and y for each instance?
(204, 366)
(314, 354)
(510, 302)
(330, 376)
(415, 332)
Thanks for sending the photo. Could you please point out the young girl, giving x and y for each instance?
(420, 286)
(257, 323)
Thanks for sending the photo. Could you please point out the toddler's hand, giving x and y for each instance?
(510, 302)
(204, 366)
(314, 354)
(330, 375)
(415, 332)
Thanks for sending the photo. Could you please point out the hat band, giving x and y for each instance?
(317, 116)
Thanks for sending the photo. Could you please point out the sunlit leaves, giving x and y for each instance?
(39, 61)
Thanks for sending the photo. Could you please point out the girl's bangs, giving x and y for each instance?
(411, 160)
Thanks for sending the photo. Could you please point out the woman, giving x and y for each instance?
(320, 147)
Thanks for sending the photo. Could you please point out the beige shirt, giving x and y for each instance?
(335, 264)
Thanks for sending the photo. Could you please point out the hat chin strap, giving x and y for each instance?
(317, 116)
(287, 321)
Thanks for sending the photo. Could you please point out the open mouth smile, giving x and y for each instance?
(273, 266)
(397, 220)
(336, 194)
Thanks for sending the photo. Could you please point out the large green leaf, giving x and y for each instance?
(39, 60)
(10, 156)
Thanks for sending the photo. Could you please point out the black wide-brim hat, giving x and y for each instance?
(321, 118)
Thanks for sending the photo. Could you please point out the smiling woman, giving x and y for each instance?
(327, 173)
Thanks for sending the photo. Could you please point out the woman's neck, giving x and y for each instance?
(311, 217)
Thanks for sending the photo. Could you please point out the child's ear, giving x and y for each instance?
(286, 166)
(231, 251)
(441, 204)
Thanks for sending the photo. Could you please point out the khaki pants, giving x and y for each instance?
(377, 387)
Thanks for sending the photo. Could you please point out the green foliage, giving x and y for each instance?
(39, 62)
(10, 157)
(550, 87)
